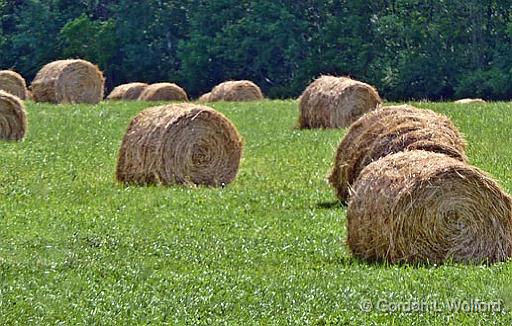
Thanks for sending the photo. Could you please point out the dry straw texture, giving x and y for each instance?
(236, 91)
(204, 98)
(13, 118)
(69, 81)
(390, 130)
(180, 144)
(13, 83)
(424, 207)
(471, 101)
(335, 102)
(163, 92)
(127, 92)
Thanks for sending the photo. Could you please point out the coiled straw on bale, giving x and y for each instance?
(236, 91)
(69, 81)
(335, 102)
(127, 92)
(390, 130)
(163, 92)
(180, 144)
(13, 118)
(204, 98)
(424, 207)
(13, 83)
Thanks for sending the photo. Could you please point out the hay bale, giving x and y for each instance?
(390, 130)
(30, 96)
(424, 207)
(335, 102)
(204, 98)
(180, 144)
(236, 91)
(471, 101)
(127, 92)
(163, 92)
(69, 81)
(13, 118)
(13, 83)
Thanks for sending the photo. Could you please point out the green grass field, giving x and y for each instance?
(78, 248)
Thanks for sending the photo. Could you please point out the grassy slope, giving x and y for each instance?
(77, 247)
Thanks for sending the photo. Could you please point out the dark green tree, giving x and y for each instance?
(94, 41)
(241, 40)
(148, 33)
(409, 49)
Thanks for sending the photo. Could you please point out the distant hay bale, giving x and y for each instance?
(13, 83)
(204, 98)
(424, 207)
(13, 118)
(180, 144)
(69, 81)
(335, 102)
(390, 130)
(127, 92)
(471, 101)
(30, 96)
(236, 91)
(163, 92)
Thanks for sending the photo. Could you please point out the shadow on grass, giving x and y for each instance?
(330, 205)
(426, 265)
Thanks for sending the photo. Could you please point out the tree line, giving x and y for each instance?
(408, 49)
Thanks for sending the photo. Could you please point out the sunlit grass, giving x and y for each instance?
(77, 247)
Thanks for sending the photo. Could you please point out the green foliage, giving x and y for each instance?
(148, 34)
(409, 49)
(78, 248)
(485, 84)
(91, 40)
(30, 30)
(258, 41)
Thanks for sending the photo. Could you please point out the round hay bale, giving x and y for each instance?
(163, 92)
(204, 98)
(335, 102)
(30, 96)
(180, 144)
(424, 207)
(236, 91)
(471, 101)
(69, 81)
(127, 92)
(13, 118)
(390, 130)
(13, 83)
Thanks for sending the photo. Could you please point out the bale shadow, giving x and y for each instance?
(330, 205)
(426, 265)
